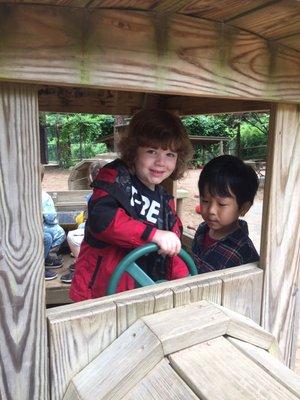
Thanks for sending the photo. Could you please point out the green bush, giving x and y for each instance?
(75, 136)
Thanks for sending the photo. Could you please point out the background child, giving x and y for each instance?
(129, 208)
(54, 235)
(227, 187)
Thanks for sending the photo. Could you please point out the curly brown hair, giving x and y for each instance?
(156, 128)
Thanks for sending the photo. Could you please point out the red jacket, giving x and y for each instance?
(112, 230)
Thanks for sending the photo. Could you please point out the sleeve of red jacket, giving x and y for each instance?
(110, 223)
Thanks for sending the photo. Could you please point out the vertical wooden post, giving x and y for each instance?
(238, 140)
(23, 355)
(221, 147)
(280, 242)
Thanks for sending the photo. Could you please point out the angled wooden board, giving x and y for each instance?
(162, 383)
(275, 368)
(216, 370)
(244, 328)
(185, 326)
(119, 367)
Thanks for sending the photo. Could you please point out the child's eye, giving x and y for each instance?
(171, 155)
(204, 201)
(151, 151)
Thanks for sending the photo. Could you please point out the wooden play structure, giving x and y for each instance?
(197, 351)
(117, 57)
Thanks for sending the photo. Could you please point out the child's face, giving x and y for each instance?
(221, 213)
(153, 165)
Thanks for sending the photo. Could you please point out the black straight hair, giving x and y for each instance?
(228, 175)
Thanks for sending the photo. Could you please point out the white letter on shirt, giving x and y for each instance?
(153, 211)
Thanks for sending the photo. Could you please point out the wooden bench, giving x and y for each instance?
(70, 200)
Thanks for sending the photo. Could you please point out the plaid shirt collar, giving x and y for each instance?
(234, 236)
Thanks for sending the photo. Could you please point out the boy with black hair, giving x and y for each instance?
(227, 187)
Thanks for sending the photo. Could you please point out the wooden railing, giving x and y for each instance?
(78, 332)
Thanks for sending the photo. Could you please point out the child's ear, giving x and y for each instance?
(245, 208)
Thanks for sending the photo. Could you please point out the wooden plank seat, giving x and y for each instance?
(70, 200)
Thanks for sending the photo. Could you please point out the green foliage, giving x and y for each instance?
(253, 127)
(205, 125)
(76, 136)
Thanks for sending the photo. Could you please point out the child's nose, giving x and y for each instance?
(160, 159)
(212, 208)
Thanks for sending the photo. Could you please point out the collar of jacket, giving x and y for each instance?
(120, 189)
(241, 231)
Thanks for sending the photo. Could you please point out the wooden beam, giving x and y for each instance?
(101, 101)
(209, 105)
(280, 242)
(129, 50)
(23, 352)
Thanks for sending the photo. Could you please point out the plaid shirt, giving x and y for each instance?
(231, 251)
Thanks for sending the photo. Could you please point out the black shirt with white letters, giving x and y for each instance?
(148, 207)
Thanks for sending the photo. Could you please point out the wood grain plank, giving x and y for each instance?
(216, 370)
(91, 305)
(23, 354)
(193, 292)
(84, 100)
(162, 383)
(170, 54)
(285, 20)
(274, 367)
(221, 10)
(248, 294)
(244, 328)
(119, 367)
(280, 250)
(185, 326)
(135, 306)
(291, 41)
(123, 4)
(75, 342)
(188, 105)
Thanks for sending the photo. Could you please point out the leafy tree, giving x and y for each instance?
(205, 125)
(77, 135)
(246, 131)
(253, 129)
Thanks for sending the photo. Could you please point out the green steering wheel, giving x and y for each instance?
(128, 265)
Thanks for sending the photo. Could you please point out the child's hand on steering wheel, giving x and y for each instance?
(168, 242)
